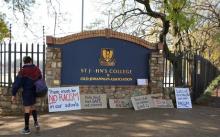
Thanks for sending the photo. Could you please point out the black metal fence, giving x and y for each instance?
(11, 56)
(204, 73)
(188, 70)
(177, 70)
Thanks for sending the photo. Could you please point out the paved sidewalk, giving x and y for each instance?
(197, 122)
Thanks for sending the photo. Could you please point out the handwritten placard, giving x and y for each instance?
(142, 102)
(142, 81)
(183, 99)
(63, 99)
(163, 103)
(91, 101)
(120, 103)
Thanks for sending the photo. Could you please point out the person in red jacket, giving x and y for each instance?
(25, 79)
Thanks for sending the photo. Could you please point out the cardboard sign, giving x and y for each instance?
(142, 81)
(163, 103)
(142, 102)
(90, 101)
(183, 99)
(120, 103)
(63, 99)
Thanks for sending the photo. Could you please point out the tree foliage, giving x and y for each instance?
(4, 31)
(182, 25)
(22, 6)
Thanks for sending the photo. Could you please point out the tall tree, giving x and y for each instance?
(175, 22)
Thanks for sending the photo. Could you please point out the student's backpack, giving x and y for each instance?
(41, 88)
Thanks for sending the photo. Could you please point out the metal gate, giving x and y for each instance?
(188, 70)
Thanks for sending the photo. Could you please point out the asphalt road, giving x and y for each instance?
(197, 122)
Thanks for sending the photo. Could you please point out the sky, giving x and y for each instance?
(42, 14)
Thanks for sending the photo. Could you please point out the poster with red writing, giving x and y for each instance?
(63, 99)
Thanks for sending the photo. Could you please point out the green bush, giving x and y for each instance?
(205, 98)
(214, 84)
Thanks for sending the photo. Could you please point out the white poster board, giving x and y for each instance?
(142, 102)
(142, 81)
(120, 103)
(91, 101)
(63, 99)
(183, 99)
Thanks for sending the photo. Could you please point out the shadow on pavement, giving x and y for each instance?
(197, 122)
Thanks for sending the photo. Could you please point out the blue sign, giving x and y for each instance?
(103, 61)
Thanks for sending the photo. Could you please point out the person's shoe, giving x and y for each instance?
(37, 126)
(25, 131)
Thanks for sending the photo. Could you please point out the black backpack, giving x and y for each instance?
(41, 88)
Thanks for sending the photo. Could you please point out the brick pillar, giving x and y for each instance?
(53, 67)
(156, 72)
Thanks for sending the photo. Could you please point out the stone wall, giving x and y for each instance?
(156, 72)
(53, 75)
(114, 92)
(7, 108)
(53, 67)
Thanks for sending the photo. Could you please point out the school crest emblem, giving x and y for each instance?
(107, 57)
